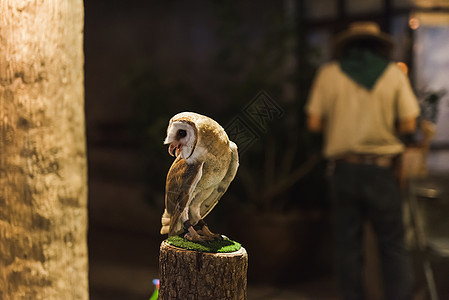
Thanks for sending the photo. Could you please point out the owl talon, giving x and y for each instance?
(206, 233)
(210, 236)
(193, 236)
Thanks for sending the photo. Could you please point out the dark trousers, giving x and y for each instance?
(367, 192)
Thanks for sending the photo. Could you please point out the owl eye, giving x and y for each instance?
(182, 133)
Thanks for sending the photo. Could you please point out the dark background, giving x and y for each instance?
(146, 61)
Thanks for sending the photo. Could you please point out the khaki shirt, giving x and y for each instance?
(357, 120)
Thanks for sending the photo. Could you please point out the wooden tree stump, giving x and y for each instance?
(194, 275)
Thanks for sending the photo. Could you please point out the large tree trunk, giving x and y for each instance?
(43, 190)
(193, 275)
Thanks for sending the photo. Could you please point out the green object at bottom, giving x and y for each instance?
(220, 246)
(155, 295)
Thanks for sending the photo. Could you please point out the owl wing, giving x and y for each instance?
(182, 179)
(221, 188)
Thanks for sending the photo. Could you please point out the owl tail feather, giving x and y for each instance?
(165, 222)
(171, 224)
(175, 226)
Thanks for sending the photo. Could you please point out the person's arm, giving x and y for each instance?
(406, 130)
(314, 123)
(407, 126)
(407, 106)
(316, 104)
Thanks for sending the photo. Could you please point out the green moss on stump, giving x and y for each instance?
(222, 246)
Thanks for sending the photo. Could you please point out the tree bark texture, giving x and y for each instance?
(192, 275)
(43, 176)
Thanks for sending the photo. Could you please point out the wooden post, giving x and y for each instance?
(194, 275)
(43, 168)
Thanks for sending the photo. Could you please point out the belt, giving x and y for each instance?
(385, 161)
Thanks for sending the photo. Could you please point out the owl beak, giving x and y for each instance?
(174, 149)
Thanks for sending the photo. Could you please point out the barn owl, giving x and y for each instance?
(206, 162)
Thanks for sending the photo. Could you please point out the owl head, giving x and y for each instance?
(182, 136)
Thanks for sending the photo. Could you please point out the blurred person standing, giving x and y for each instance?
(362, 102)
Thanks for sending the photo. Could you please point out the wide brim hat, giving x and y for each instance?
(360, 31)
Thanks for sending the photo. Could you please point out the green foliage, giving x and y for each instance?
(221, 246)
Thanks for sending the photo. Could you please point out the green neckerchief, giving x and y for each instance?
(363, 66)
